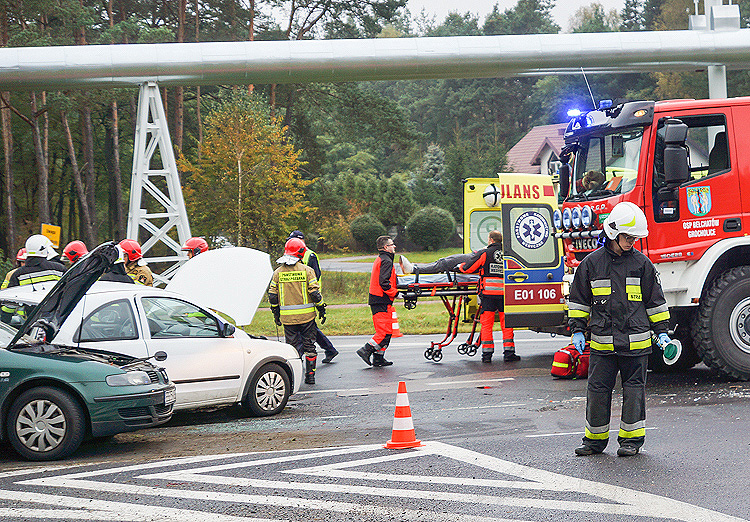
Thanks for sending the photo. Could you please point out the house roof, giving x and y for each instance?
(524, 156)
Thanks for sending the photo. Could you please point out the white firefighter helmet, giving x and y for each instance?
(40, 246)
(626, 218)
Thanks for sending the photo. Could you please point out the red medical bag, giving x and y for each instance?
(569, 364)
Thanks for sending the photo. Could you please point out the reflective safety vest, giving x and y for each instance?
(488, 263)
(293, 285)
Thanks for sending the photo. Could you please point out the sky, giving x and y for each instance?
(562, 11)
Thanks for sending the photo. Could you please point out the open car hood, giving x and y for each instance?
(229, 280)
(46, 318)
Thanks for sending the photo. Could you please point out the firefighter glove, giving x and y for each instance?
(321, 312)
(276, 315)
(664, 340)
(579, 341)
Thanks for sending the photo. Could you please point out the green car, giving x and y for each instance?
(52, 396)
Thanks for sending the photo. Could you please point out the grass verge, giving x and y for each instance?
(429, 317)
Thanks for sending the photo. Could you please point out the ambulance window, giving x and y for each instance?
(528, 235)
(481, 223)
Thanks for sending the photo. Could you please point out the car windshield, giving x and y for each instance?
(606, 165)
(7, 333)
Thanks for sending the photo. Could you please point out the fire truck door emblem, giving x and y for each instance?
(699, 200)
(531, 230)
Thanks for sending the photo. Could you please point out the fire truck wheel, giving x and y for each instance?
(722, 328)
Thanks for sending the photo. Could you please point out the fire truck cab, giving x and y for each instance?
(683, 163)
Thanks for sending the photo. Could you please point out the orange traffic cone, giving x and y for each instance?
(403, 429)
(396, 330)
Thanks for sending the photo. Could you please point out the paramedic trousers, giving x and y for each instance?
(382, 318)
(603, 371)
(490, 305)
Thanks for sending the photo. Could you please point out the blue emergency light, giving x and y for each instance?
(605, 104)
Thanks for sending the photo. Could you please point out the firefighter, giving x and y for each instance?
(135, 265)
(74, 251)
(39, 267)
(383, 291)
(294, 295)
(310, 258)
(616, 292)
(20, 261)
(195, 246)
(488, 263)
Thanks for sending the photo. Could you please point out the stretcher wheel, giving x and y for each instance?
(437, 355)
(472, 351)
(428, 353)
(463, 348)
(410, 305)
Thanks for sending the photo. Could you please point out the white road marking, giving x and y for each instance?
(612, 500)
(473, 381)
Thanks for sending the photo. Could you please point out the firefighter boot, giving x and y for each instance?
(378, 359)
(366, 352)
(310, 369)
(487, 357)
(585, 450)
(627, 450)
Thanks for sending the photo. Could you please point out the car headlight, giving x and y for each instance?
(128, 379)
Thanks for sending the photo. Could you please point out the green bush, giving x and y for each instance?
(431, 227)
(366, 229)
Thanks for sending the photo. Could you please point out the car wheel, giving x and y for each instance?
(45, 424)
(269, 391)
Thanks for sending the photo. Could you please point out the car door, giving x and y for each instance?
(206, 368)
(102, 323)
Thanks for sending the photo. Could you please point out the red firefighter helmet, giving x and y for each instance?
(21, 255)
(196, 245)
(75, 250)
(132, 249)
(295, 247)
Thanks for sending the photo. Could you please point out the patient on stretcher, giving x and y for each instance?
(444, 264)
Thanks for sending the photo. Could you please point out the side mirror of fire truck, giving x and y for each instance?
(676, 162)
(564, 177)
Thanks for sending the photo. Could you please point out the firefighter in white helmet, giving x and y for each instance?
(616, 294)
(40, 266)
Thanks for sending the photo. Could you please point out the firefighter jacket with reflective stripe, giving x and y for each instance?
(621, 300)
(310, 258)
(295, 289)
(37, 270)
(383, 289)
(488, 263)
(141, 274)
(6, 281)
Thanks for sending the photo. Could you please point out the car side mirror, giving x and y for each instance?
(160, 356)
(676, 161)
(227, 330)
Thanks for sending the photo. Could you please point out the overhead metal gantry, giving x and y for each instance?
(714, 43)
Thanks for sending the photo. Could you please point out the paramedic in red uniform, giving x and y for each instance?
(488, 263)
(382, 292)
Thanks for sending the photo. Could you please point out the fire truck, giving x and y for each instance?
(684, 163)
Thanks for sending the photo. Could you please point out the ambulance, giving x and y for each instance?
(522, 207)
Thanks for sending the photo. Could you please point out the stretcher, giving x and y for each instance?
(454, 290)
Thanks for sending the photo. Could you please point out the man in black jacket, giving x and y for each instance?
(617, 294)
